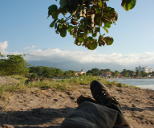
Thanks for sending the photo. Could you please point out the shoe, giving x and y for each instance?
(101, 95)
(82, 99)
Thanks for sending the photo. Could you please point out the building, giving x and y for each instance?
(144, 69)
(148, 70)
(79, 73)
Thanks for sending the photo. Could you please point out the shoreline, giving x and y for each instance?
(145, 87)
(130, 78)
(141, 83)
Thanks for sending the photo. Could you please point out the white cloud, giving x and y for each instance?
(3, 46)
(79, 59)
(30, 47)
(67, 59)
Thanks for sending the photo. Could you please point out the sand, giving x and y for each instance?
(36, 108)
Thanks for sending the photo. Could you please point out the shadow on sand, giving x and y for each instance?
(138, 109)
(44, 117)
(33, 118)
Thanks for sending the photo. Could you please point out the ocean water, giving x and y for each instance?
(142, 83)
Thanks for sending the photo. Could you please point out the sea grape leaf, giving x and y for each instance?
(108, 40)
(128, 4)
(53, 11)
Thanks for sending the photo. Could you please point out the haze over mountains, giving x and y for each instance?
(77, 60)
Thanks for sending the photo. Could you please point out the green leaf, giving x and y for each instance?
(63, 3)
(92, 46)
(70, 27)
(53, 11)
(108, 40)
(53, 23)
(52, 8)
(55, 15)
(128, 4)
(110, 15)
(97, 10)
(78, 43)
(91, 43)
(80, 39)
(106, 30)
(94, 34)
(63, 32)
(100, 3)
(101, 40)
(107, 24)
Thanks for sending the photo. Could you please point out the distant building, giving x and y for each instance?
(106, 74)
(144, 69)
(148, 70)
(79, 73)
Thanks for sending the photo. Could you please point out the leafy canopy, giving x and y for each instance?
(87, 21)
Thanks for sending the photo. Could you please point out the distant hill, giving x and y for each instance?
(72, 65)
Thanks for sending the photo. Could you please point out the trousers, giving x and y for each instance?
(91, 115)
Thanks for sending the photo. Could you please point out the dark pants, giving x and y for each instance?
(91, 115)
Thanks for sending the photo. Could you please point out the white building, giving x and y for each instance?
(144, 69)
(148, 70)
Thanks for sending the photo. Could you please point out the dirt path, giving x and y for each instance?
(37, 108)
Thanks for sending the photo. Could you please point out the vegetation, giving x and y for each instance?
(13, 65)
(16, 65)
(94, 72)
(24, 77)
(47, 72)
(115, 74)
(87, 21)
(58, 84)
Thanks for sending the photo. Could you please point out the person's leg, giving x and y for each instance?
(102, 97)
(90, 115)
(82, 99)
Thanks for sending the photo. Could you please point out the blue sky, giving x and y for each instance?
(24, 23)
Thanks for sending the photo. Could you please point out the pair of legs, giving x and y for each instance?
(101, 112)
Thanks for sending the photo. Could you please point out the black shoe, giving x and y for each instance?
(82, 99)
(101, 95)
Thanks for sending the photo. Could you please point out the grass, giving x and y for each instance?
(114, 83)
(58, 84)
(63, 84)
(11, 89)
(13, 84)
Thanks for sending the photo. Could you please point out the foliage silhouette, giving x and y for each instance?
(87, 21)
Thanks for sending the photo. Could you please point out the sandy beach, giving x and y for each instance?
(47, 108)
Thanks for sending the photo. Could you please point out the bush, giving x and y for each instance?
(47, 72)
(13, 65)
